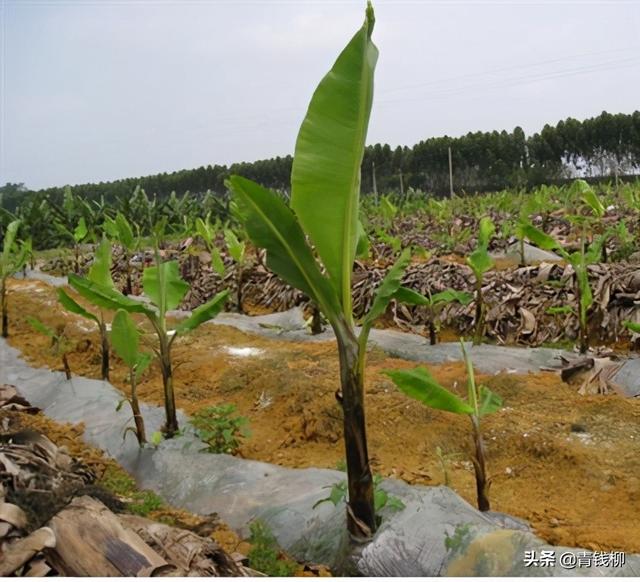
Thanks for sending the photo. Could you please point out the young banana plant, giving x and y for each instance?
(165, 289)
(237, 250)
(125, 338)
(79, 234)
(12, 259)
(99, 273)
(419, 384)
(434, 304)
(580, 259)
(122, 230)
(480, 262)
(325, 200)
(60, 344)
(207, 233)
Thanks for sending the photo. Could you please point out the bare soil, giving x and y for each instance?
(569, 464)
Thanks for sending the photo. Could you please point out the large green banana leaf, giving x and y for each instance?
(271, 225)
(418, 383)
(325, 178)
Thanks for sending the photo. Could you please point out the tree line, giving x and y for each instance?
(606, 145)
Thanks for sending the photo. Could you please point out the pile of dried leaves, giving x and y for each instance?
(518, 299)
(54, 521)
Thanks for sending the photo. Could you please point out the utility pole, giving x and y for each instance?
(401, 184)
(375, 185)
(450, 174)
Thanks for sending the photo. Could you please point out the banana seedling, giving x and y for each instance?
(325, 202)
(125, 338)
(122, 230)
(388, 211)
(165, 288)
(100, 273)
(434, 304)
(580, 259)
(79, 234)
(207, 233)
(237, 250)
(419, 384)
(480, 262)
(60, 344)
(12, 259)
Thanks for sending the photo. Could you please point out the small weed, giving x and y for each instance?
(265, 555)
(219, 429)
(381, 498)
(138, 502)
(341, 465)
(459, 537)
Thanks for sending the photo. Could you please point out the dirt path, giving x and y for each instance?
(567, 463)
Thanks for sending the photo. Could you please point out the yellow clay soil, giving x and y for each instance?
(569, 464)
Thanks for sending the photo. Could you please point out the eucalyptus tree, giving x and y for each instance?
(325, 198)
(12, 259)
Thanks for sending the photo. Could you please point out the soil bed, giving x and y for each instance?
(569, 464)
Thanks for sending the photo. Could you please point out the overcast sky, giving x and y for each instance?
(99, 90)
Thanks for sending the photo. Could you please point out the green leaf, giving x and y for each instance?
(109, 227)
(539, 238)
(419, 384)
(204, 313)
(388, 288)
(125, 232)
(362, 250)
(100, 271)
(411, 297)
(81, 231)
(107, 297)
(325, 177)
(581, 188)
(175, 287)
(380, 498)
(586, 296)
(338, 493)
(156, 438)
(594, 253)
(71, 305)
(631, 326)
(451, 296)
(271, 225)
(485, 232)
(235, 247)
(480, 261)
(143, 361)
(216, 261)
(489, 402)
(395, 503)
(40, 327)
(387, 209)
(124, 337)
(204, 231)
